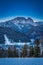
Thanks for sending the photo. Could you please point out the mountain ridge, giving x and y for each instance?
(22, 29)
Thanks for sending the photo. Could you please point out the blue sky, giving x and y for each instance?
(27, 8)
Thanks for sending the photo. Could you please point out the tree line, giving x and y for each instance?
(26, 51)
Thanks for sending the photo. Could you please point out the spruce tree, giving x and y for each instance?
(25, 51)
(37, 48)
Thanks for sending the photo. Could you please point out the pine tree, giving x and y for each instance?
(25, 51)
(37, 48)
(15, 52)
(10, 52)
(1, 52)
(31, 51)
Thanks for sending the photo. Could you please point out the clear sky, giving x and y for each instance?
(30, 8)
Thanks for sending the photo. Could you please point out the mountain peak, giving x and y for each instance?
(19, 18)
(30, 19)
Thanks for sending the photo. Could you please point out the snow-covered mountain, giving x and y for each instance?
(39, 23)
(21, 28)
(19, 23)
